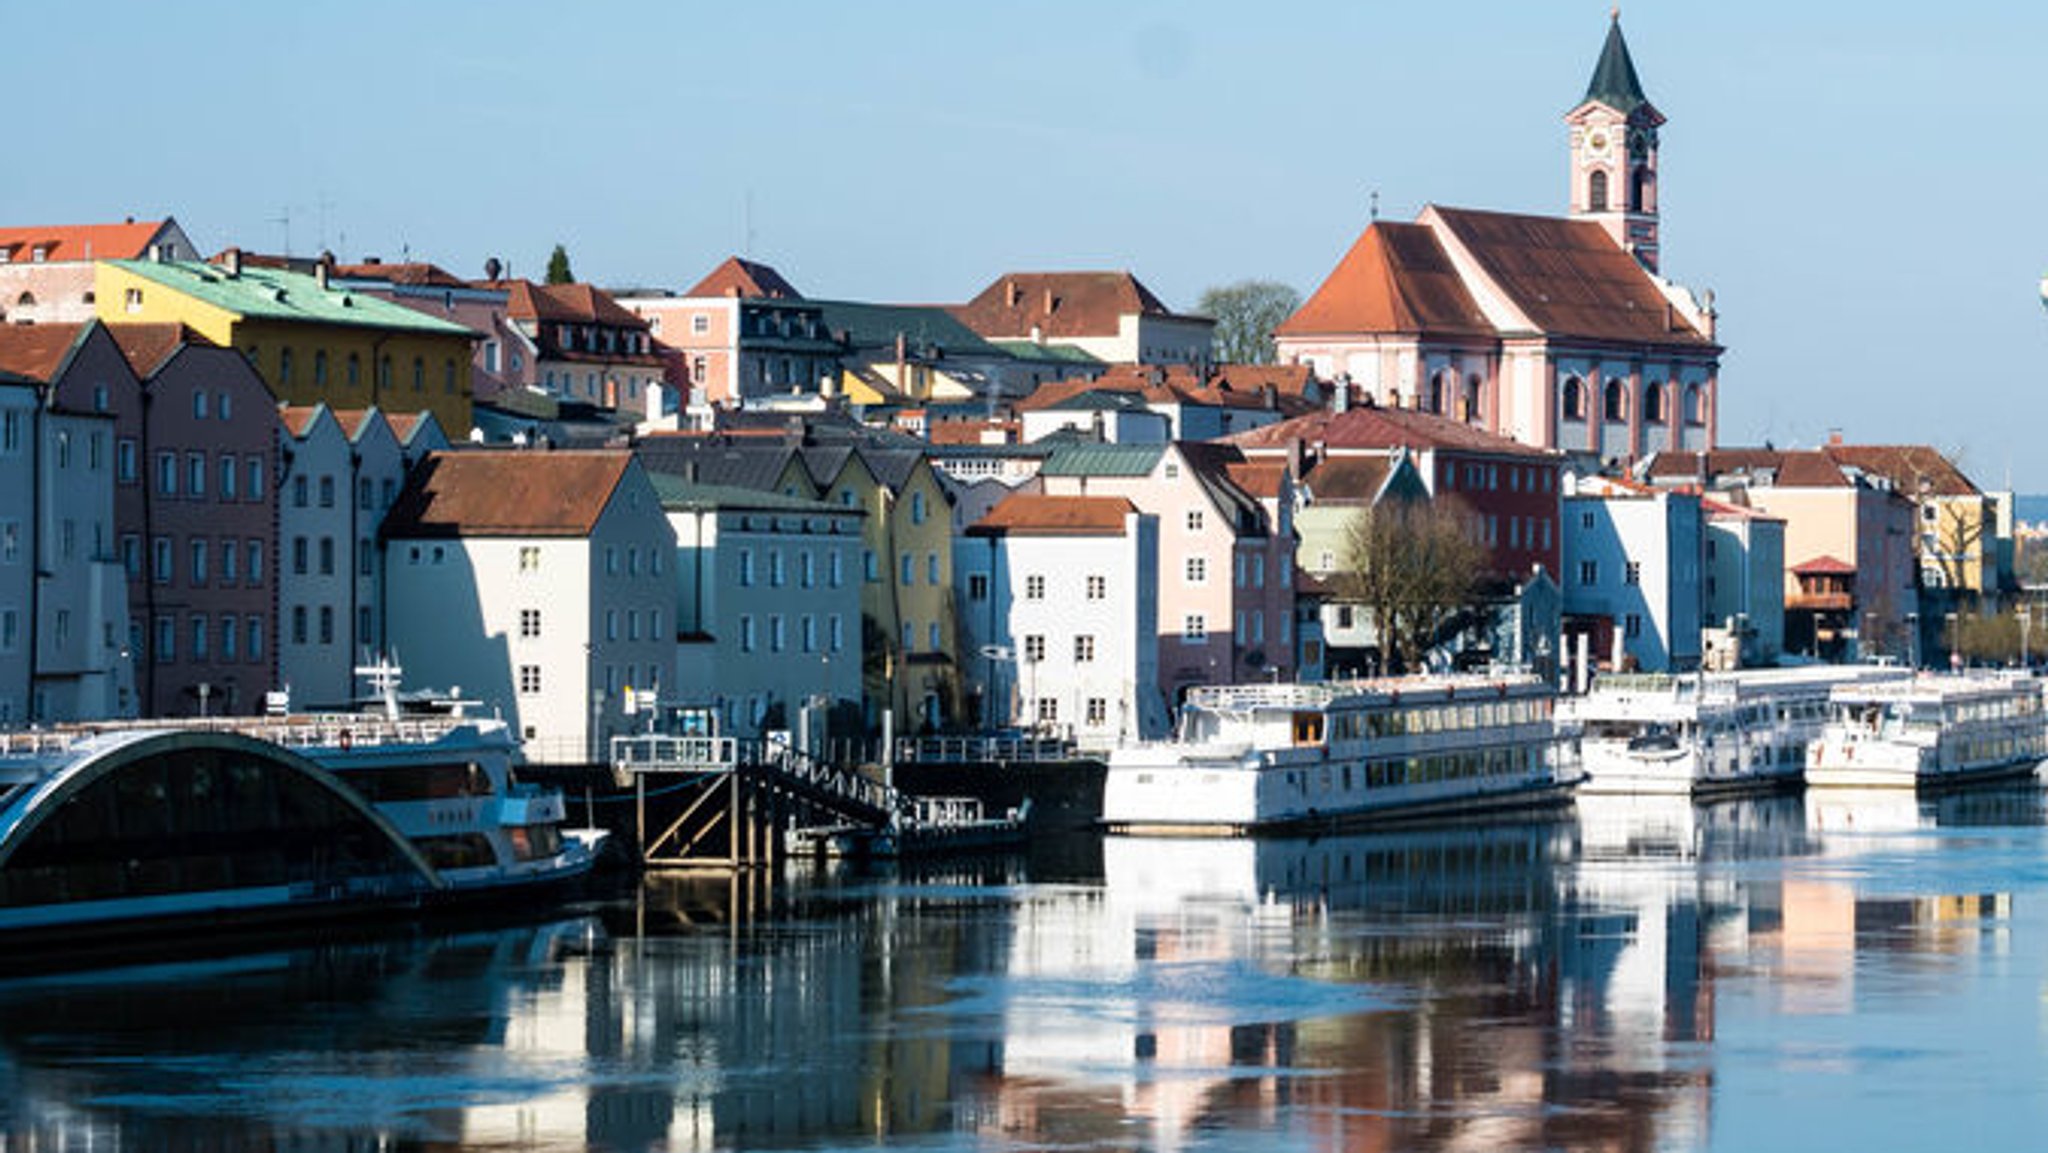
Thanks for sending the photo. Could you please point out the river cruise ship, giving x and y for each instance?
(1268, 757)
(117, 827)
(1929, 732)
(1702, 734)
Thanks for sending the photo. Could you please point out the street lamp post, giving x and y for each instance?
(1913, 641)
(2026, 624)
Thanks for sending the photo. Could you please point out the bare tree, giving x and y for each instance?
(1412, 565)
(1246, 313)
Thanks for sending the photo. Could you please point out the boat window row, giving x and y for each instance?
(1987, 748)
(459, 851)
(1350, 726)
(1390, 772)
(421, 782)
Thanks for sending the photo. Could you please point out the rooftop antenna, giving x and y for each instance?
(322, 207)
(747, 226)
(1375, 204)
(284, 218)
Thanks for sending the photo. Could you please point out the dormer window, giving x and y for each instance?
(39, 253)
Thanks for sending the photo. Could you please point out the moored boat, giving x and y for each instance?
(1263, 757)
(119, 827)
(1706, 733)
(1930, 732)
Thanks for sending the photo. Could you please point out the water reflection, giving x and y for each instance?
(1631, 975)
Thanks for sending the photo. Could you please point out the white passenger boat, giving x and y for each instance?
(1930, 731)
(1705, 733)
(114, 827)
(1276, 756)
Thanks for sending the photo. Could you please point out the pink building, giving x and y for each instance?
(46, 273)
(741, 333)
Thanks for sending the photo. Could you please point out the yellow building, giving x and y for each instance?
(309, 342)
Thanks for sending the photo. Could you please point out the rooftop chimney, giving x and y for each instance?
(1834, 438)
(1051, 302)
(1014, 293)
(233, 259)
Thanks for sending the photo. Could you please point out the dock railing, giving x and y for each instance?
(961, 750)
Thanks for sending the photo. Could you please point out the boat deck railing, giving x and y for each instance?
(964, 750)
(305, 731)
(1288, 695)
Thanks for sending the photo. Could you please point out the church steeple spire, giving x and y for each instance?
(1614, 80)
(1614, 151)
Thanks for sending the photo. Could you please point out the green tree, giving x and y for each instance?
(1412, 565)
(1246, 313)
(558, 267)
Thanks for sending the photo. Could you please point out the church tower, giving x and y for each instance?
(1614, 152)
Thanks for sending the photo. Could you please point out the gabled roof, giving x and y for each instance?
(1614, 80)
(1172, 385)
(147, 346)
(1348, 479)
(757, 463)
(746, 279)
(1782, 468)
(1908, 466)
(577, 303)
(298, 419)
(1824, 566)
(518, 492)
(417, 273)
(1396, 278)
(1371, 427)
(1568, 277)
(1034, 514)
(1058, 304)
(275, 294)
(37, 351)
(128, 240)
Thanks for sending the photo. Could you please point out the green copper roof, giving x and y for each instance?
(1103, 460)
(1062, 353)
(274, 294)
(926, 330)
(1614, 80)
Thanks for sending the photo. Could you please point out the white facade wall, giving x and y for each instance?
(1745, 565)
(316, 534)
(1634, 558)
(772, 603)
(548, 630)
(1076, 660)
(1135, 426)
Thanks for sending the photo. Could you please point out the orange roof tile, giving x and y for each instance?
(745, 278)
(412, 273)
(125, 241)
(37, 351)
(1907, 466)
(1382, 428)
(1396, 278)
(507, 493)
(1033, 514)
(1057, 304)
(1824, 566)
(1345, 479)
(1789, 468)
(1262, 479)
(298, 418)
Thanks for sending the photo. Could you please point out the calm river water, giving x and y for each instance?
(1854, 972)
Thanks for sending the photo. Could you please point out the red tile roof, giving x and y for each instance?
(1262, 479)
(1376, 428)
(579, 303)
(1032, 514)
(1174, 384)
(745, 278)
(1789, 468)
(298, 418)
(404, 424)
(37, 351)
(1907, 466)
(412, 274)
(1348, 479)
(125, 241)
(1397, 278)
(507, 493)
(1569, 277)
(1824, 566)
(148, 346)
(1057, 304)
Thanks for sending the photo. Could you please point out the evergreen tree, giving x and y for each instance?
(558, 267)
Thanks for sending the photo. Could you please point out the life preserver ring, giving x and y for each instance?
(348, 739)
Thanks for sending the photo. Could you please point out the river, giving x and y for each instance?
(1828, 972)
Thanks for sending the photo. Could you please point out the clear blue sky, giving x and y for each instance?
(1862, 184)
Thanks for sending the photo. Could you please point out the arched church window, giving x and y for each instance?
(26, 299)
(1596, 191)
(1692, 404)
(1574, 398)
(1440, 384)
(1653, 402)
(1471, 411)
(1615, 403)
(1641, 193)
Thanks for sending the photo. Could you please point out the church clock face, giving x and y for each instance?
(1597, 142)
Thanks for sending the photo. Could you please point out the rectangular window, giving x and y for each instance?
(1589, 572)
(746, 563)
(931, 568)
(131, 556)
(835, 633)
(195, 473)
(611, 624)
(10, 629)
(301, 491)
(1084, 649)
(529, 680)
(931, 635)
(746, 634)
(808, 633)
(326, 624)
(1195, 629)
(166, 640)
(254, 467)
(1632, 625)
(230, 632)
(1194, 520)
(1034, 587)
(776, 634)
(1098, 587)
(298, 624)
(326, 556)
(776, 573)
(1197, 570)
(255, 566)
(255, 633)
(529, 558)
(167, 474)
(1034, 648)
(909, 567)
(365, 625)
(871, 568)
(1633, 574)
(835, 569)
(227, 477)
(977, 586)
(529, 623)
(124, 460)
(1098, 711)
(198, 573)
(301, 551)
(162, 563)
(807, 569)
(1048, 710)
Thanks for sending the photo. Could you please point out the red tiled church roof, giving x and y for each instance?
(1395, 279)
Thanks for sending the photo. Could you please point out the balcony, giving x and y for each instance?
(1820, 602)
